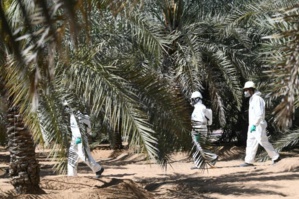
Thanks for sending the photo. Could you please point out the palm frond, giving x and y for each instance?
(166, 108)
(281, 55)
(290, 139)
(109, 92)
(189, 63)
(150, 35)
(287, 139)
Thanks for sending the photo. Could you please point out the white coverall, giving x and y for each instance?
(259, 136)
(200, 131)
(77, 151)
(199, 120)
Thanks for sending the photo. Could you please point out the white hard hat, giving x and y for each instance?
(249, 84)
(196, 94)
(65, 103)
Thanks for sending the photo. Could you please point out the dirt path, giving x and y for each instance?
(130, 176)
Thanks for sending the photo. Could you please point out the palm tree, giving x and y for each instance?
(280, 55)
(137, 89)
(24, 169)
(212, 51)
(3, 107)
(22, 69)
(134, 68)
(199, 52)
(275, 21)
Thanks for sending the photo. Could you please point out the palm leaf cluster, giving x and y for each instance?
(214, 52)
(280, 55)
(282, 65)
(132, 65)
(117, 89)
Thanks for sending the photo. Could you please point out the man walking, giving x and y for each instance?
(200, 118)
(79, 148)
(257, 127)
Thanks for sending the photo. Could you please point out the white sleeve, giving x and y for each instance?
(74, 127)
(258, 110)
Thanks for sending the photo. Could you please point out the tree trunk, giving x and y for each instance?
(116, 141)
(23, 168)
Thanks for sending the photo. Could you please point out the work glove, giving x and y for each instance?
(78, 140)
(252, 128)
(197, 137)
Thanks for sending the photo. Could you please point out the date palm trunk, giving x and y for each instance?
(116, 141)
(23, 168)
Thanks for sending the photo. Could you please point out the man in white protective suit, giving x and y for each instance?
(256, 133)
(200, 118)
(79, 148)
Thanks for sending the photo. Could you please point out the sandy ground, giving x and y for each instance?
(128, 175)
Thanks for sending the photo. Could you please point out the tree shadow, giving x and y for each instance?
(4, 158)
(113, 181)
(188, 186)
(47, 170)
(119, 175)
(12, 194)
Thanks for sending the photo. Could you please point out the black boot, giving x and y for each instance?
(99, 173)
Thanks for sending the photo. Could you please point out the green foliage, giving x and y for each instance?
(281, 57)
(134, 64)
